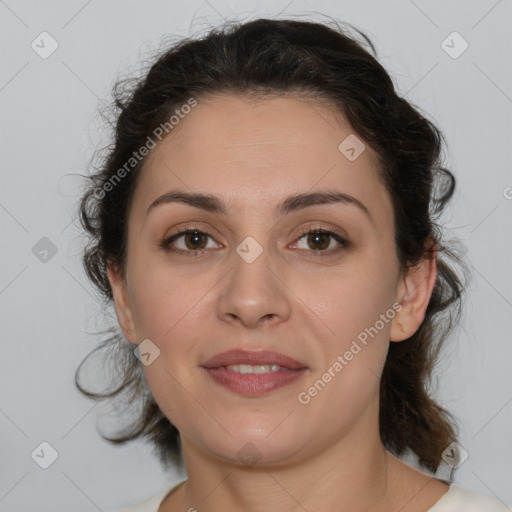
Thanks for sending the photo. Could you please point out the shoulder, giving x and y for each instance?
(458, 499)
(151, 504)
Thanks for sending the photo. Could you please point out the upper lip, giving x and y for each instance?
(261, 357)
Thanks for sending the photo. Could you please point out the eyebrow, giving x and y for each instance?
(292, 203)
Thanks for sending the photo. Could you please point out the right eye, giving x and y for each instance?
(192, 242)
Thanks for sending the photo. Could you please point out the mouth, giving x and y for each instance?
(253, 373)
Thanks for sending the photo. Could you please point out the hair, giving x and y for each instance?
(268, 57)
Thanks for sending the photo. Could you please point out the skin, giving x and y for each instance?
(327, 454)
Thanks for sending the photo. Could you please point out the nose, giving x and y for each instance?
(254, 294)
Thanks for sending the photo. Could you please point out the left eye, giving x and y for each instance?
(319, 240)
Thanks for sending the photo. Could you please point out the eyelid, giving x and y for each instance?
(183, 231)
(325, 227)
(331, 231)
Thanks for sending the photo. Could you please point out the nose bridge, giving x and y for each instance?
(253, 291)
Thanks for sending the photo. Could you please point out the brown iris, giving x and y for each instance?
(195, 235)
(317, 239)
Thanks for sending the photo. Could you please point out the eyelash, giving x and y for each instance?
(310, 230)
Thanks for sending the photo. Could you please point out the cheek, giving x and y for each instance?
(163, 299)
(354, 299)
(359, 313)
(362, 337)
(345, 384)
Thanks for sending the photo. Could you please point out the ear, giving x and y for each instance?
(122, 303)
(413, 293)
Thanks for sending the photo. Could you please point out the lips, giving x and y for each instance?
(253, 373)
(262, 357)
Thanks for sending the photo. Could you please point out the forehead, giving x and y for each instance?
(263, 149)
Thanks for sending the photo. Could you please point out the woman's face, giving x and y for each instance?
(254, 281)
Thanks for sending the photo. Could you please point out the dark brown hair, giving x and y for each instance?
(264, 57)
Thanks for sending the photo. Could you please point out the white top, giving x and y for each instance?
(456, 499)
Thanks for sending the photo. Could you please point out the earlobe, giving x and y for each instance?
(413, 293)
(121, 303)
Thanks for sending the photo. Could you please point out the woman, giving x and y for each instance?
(265, 225)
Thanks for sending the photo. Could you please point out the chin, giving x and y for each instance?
(256, 445)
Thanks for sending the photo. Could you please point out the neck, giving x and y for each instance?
(349, 475)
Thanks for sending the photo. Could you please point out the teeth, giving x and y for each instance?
(259, 368)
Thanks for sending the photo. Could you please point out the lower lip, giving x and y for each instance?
(254, 383)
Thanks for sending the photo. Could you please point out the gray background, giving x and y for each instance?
(49, 130)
